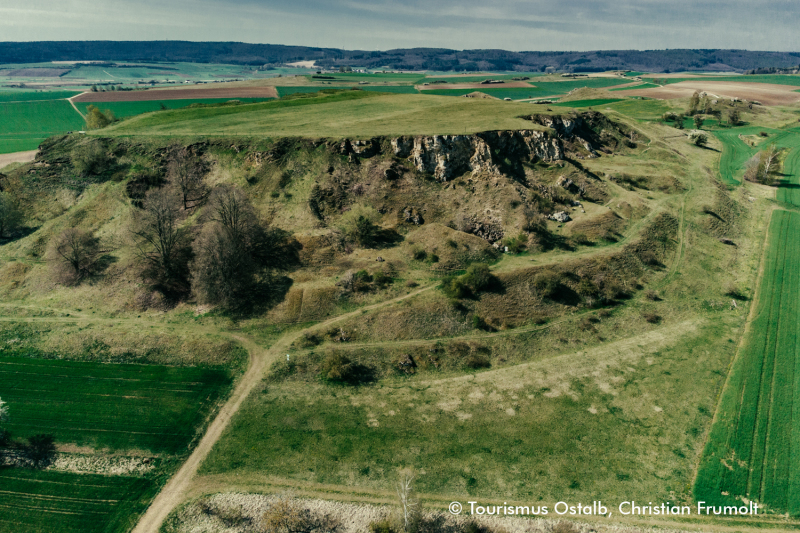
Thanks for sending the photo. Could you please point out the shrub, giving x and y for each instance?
(451, 243)
(477, 278)
(383, 526)
(516, 244)
(338, 368)
(698, 138)
(652, 296)
(381, 279)
(307, 340)
(411, 284)
(289, 516)
(96, 119)
(651, 317)
(358, 225)
(476, 361)
(547, 283)
(734, 291)
(90, 159)
(419, 254)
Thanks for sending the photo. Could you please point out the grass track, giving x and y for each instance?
(109, 405)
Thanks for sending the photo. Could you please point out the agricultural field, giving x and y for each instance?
(751, 452)
(396, 89)
(24, 125)
(130, 109)
(587, 103)
(110, 406)
(45, 502)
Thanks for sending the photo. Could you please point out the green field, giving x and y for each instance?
(43, 502)
(779, 79)
(640, 86)
(397, 89)
(588, 103)
(541, 89)
(752, 448)
(129, 109)
(349, 113)
(24, 125)
(27, 96)
(736, 152)
(113, 406)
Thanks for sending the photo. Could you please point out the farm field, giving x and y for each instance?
(753, 448)
(29, 96)
(179, 93)
(538, 90)
(113, 406)
(129, 109)
(44, 502)
(587, 103)
(24, 125)
(767, 94)
(397, 89)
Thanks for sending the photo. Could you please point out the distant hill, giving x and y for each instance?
(405, 59)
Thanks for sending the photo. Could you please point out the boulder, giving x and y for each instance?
(561, 216)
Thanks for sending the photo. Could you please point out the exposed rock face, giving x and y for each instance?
(402, 146)
(447, 156)
(365, 148)
(561, 216)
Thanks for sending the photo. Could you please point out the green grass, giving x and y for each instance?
(646, 109)
(640, 86)
(398, 89)
(26, 124)
(778, 79)
(113, 406)
(462, 438)
(541, 89)
(389, 77)
(752, 448)
(588, 103)
(43, 502)
(129, 109)
(27, 96)
(736, 152)
(342, 114)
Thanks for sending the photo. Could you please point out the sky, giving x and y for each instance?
(383, 24)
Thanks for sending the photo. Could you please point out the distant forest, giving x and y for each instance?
(400, 59)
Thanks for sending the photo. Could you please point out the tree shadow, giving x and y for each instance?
(20, 233)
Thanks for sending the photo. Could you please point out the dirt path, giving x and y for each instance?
(72, 103)
(173, 494)
(17, 157)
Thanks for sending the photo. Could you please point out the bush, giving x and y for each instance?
(478, 278)
(358, 225)
(419, 254)
(651, 317)
(516, 244)
(476, 361)
(90, 159)
(698, 138)
(338, 368)
(383, 526)
(547, 283)
(96, 119)
(652, 296)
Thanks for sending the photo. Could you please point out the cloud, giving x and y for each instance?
(383, 24)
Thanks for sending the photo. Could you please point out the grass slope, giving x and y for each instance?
(111, 406)
(344, 114)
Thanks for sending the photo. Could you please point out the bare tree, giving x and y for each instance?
(409, 504)
(186, 172)
(163, 243)
(75, 254)
(10, 215)
(769, 162)
(236, 250)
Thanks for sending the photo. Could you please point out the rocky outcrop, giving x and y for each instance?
(448, 156)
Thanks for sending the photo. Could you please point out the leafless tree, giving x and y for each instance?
(75, 255)
(187, 172)
(162, 242)
(409, 505)
(236, 250)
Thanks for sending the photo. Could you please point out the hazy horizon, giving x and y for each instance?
(516, 25)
